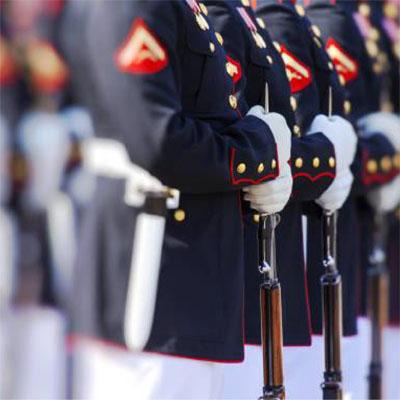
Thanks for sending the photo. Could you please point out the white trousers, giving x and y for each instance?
(107, 372)
(33, 359)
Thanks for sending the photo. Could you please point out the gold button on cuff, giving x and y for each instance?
(233, 101)
(293, 103)
(256, 218)
(316, 162)
(260, 42)
(342, 80)
(372, 166)
(219, 38)
(396, 160)
(270, 60)
(212, 47)
(179, 215)
(246, 3)
(261, 22)
(332, 162)
(330, 66)
(296, 130)
(277, 46)
(364, 10)
(241, 168)
(230, 69)
(347, 107)
(273, 163)
(316, 30)
(203, 8)
(300, 10)
(298, 163)
(260, 168)
(386, 163)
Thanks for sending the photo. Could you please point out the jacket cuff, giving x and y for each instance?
(376, 163)
(313, 165)
(255, 164)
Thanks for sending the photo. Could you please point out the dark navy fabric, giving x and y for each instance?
(295, 32)
(180, 124)
(239, 42)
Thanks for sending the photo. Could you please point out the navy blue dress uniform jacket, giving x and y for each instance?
(249, 45)
(303, 46)
(179, 116)
(373, 166)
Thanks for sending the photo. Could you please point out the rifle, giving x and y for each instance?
(271, 311)
(377, 305)
(331, 290)
(270, 303)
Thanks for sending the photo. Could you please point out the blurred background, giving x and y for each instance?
(43, 191)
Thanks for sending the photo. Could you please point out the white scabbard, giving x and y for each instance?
(143, 280)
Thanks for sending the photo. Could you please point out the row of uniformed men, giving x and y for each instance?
(182, 85)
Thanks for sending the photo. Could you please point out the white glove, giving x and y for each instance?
(341, 134)
(334, 197)
(280, 130)
(385, 198)
(381, 122)
(271, 197)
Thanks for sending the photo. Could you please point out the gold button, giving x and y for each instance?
(342, 80)
(246, 3)
(330, 66)
(372, 166)
(179, 215)
(219, 38)
(374, 34)
(396, 160)
(261, 22)
(202, 22)
(390, 10)
(316, 30)
(241, 168)
(298, 163)
(260, 168)
(317, 41)
(230, 69)
(293, 103)
(256, 218)
(332, 162)
(300, 10)
(277, 46)
(260, 42)
(364, 9)
(372, 48)
(316, 162)
(203, 8)
(270, 60)
(212, 47)
(233, 101)
(296, 130)
(386, 163)
(347, 107)
(273, 163)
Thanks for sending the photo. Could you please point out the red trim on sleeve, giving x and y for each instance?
(249, 180)
(314, 178)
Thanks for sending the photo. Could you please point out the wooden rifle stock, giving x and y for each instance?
(271, 311)
(378, 289)
(331, 290)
